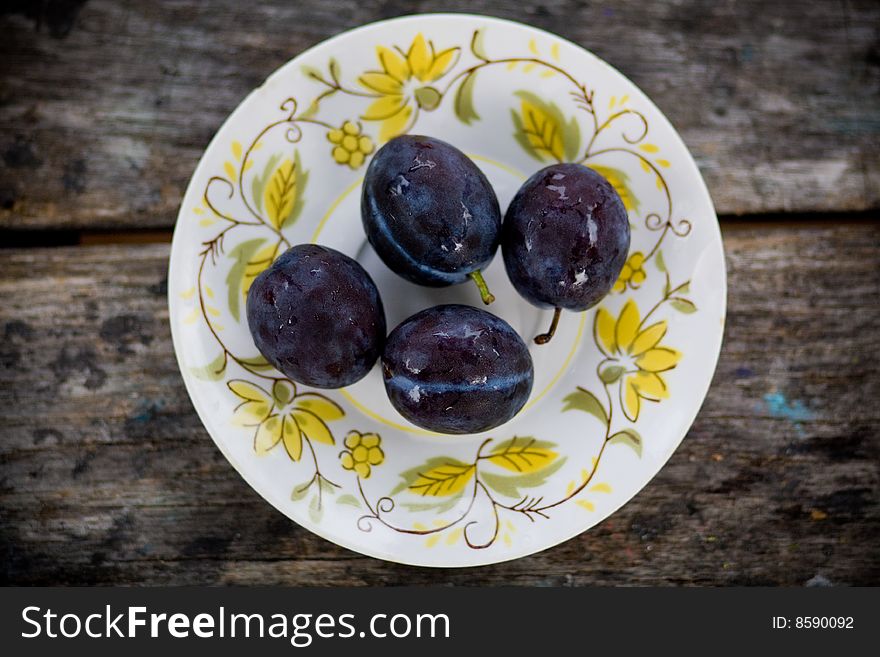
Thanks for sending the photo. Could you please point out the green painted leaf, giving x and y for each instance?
(437, 477)
(522, 454)
(519, 133)
(310, 111)
(316, 509)
(300, 491)
(257, 192)
(658, 260)
(572, 139)
(241, 254)
(630, 438)
(349, 500)
(326, 486)
(611, 373)
(620, 182)
(312, 72)
(213, 371)
(464, 100)
(584, 400)
(509, 485)
(518, 443)
(284, 193)
(258, 183)
(542, 131)
(685, 306)
(441, 506)
(257, 363)
(685, 288)
(302, 180)
(477, 46)
(335, 70)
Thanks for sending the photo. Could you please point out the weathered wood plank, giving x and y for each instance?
(106, 475)
(103, 116)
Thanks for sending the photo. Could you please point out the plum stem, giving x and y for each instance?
(544, 338)
(487, 296)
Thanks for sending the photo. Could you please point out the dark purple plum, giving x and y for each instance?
(430, 213)
(316, 316)
(456, 369)
(565, 239)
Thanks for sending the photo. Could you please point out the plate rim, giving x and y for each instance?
(342, 540)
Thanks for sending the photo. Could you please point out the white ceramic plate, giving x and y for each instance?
(615, 391)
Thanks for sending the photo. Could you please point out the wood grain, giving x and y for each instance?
(105, 112)
(107, 476)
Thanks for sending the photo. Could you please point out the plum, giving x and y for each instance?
(430, 213)
(565, 239)
(456, 369)
(317, 317)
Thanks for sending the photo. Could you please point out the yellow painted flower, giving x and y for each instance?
(632, 273)
(283, 416)
(404, 84)
(635, 357)
(363, 452)
(351, 146)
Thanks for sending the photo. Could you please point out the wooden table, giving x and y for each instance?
(106, 474)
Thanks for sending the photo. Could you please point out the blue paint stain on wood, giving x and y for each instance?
(795, 412)
(147, 410)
